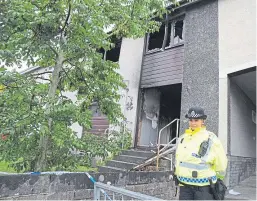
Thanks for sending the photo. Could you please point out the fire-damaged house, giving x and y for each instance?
(203, 55)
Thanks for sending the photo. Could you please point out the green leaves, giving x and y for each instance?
(24, 119)
(67, 36)
(103, 146)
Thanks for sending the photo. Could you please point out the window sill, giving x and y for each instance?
(166, 48)
(154, 50)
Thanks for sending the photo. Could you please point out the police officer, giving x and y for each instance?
(200, 159)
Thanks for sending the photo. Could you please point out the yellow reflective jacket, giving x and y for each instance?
(1, 88)
(192, 169)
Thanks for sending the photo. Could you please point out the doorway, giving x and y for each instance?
(161, 105)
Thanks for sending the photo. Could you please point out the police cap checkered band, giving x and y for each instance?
(196, 113)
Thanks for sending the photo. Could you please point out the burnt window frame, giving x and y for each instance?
(173, 23)
(117, 45)
(169, 21)
(148, 38)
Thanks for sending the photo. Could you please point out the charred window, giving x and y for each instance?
(178, 31)
(170, 34)
(114, 53)
(156, 38)
(168, 39)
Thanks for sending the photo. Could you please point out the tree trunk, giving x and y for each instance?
(44, 137)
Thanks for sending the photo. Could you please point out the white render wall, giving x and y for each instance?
(237, 33)
(71, 95)
(243, 129)
(130, 62)
(237, 49)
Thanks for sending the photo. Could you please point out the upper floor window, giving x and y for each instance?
(114, 53)
(155, 39)
(171, 33)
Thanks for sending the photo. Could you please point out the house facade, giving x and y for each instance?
(204, 55)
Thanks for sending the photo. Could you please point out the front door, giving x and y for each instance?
(150, 115)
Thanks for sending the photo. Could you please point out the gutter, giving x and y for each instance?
(29, 70)
(191, 2)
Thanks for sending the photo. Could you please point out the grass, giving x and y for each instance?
(4, 167)
(85, 169)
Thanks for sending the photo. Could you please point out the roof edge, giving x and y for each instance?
(185, 3)
(28, 70)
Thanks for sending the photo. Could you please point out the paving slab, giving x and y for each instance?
(246, 188)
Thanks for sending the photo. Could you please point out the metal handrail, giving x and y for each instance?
(112, 190)
(159, 139)
(167, 145)
(162, 157)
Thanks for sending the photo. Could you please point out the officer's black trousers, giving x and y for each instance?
(195, 193)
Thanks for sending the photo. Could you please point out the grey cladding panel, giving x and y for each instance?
(163, 68)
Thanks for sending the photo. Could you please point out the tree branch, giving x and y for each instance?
(67, 18)
(81, 73)
(68, 60)
(117, 30)
(10, 87)
(55, 52)
(30, 104)
(43, 79)
(82, 76)
(11, 34)
(72, 64)
(72, 81)
(132, 11)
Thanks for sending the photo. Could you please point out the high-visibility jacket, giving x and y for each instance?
(192, 169)
(1, 88)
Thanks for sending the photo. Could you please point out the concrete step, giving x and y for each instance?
(145, 154)
(130, 159)
(110, 169)
(144, 148)
(93, 130)
(121, 164)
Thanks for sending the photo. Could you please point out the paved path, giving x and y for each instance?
(247, 188)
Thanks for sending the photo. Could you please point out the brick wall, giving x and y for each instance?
(76, 186)
(240, 168)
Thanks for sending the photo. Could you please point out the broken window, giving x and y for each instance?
(114, 53)
(156, 38)
(174, 35)
(167, 42)
(178, 31)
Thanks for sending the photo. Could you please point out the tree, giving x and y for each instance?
(65, 35)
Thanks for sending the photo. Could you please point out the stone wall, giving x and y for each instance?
(76, 186)
(164, 190)
(240, 168)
